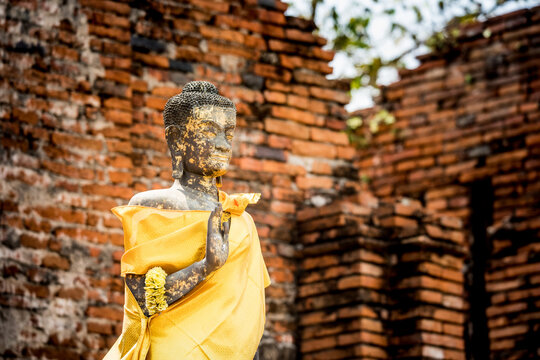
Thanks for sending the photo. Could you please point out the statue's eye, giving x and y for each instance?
(209, 131)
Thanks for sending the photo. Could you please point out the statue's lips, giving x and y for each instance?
(220, 157)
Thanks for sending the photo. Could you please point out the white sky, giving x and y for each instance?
(379, 28)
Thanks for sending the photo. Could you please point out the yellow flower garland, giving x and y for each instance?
(155, 290)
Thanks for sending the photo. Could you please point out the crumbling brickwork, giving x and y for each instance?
(513, 287)
(83, 85)
(382, 280)
(442, 261)
(466, 144)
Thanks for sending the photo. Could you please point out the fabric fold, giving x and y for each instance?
(223, 317)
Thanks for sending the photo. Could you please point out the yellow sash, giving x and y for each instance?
(223, 317)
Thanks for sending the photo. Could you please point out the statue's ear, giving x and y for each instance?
(173, 134)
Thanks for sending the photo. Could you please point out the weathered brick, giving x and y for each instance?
(59, 181)
(119, 117)
(68, 140)
(287, 128)
(328, 94)
(313, 149)
(275, 97)
(297, 115)
(272, 72)
(314, 182)
(55, 261)
(323, 135)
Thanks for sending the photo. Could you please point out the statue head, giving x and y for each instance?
(199, 127)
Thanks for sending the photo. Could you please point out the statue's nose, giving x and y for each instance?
(222, 143)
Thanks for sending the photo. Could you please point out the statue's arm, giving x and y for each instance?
(183, 281)
(177, 284)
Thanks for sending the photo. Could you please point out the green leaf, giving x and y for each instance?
(418, 13)
(441, 5)
(354, 122)
(365, 178)
(356, 83)
(398, 26)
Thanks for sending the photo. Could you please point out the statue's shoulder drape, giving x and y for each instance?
(223, 317)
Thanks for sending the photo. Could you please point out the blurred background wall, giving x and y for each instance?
(424, 243)
(455, 214)
(83, 87)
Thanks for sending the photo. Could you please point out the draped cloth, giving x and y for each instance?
(223, 316)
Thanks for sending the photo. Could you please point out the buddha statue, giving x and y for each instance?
(193, 266)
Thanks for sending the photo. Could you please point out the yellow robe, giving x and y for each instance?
(222, 317)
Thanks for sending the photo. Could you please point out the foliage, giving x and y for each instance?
(433, 25)
(360, 131)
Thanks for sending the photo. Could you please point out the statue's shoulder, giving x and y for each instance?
(160, 199)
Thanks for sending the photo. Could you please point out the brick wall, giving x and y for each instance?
(466, 144)
(82, 87)
(513, 286)
(381, 280)
(448, 241)
(465, 116)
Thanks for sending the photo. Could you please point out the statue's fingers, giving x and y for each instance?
(212, 214)
(210, 226)
(215, 218)
(226, 227)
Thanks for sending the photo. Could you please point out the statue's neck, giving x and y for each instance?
(204, 185)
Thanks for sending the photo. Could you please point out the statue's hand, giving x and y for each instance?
(217, 240)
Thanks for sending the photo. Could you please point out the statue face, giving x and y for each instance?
(207, 141)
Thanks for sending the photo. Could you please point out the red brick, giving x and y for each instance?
(295, 34)
(328, 94)
(33, 241)
(507, 156)
(272, 72)
(282, 168)
(508, 331)
(105, 312)
(318, 344)
(108, 190)
(313, 149)
(155, 102)
(275, 17)
(212, 6)
(360, 281)
(55, 261)
(223, 34)
(68, 140)
(234, 50)
(119, 117)
(366, 351)
(275, 97)
(322, 168)
(152, 60)
(346, 152)
(99, 327)
(318, 182)
(68, 171)
(287, 128)
(306, 103)
(323, 135)
(118, 76)
(66, 53)
(297, 115)
(119, 8)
